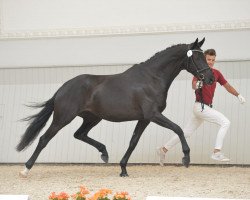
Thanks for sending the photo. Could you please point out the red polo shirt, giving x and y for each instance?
(208, 90)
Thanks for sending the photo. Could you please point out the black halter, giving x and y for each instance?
(200, 75)
(190, 56)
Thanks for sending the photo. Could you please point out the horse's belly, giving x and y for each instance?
(113, 105)
(118, 113)
(119, 119)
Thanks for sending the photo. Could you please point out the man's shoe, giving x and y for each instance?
(220, 157)
(161, 155)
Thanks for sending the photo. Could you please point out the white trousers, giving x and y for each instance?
(208, 114)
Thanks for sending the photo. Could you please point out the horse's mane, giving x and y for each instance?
(161, 53)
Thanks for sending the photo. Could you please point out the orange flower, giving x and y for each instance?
(95, 196)
(61, 196)
(52, 196)
(105, 192)
(82, 194)
(84, 190)
(121, 196)
(102, 194)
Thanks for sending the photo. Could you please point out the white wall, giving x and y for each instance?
(60, 14)
(44, 43)
(230, 45)
(22, 86)
(82, 32)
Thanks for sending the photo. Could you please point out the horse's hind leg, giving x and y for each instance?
(43, 141)
(82, 134)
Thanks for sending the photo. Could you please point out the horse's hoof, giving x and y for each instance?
(123, 174)
(186, 161)
(23, 175)
(105, 158)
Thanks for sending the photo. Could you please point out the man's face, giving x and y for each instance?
(210, 60)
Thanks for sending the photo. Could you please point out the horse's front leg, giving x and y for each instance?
(140, 127)
(165, 122)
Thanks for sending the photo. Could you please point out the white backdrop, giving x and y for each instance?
(44, 43)
(230, 45)
(82, 32)
(22, 86)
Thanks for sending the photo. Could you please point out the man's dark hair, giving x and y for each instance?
(210, 52)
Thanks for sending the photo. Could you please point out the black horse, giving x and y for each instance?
(138, 93)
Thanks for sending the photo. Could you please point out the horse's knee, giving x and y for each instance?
(81, 136)
(78, 136)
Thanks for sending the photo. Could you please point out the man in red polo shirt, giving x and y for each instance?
(203, 111)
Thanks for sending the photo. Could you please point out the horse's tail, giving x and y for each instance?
(37, 122)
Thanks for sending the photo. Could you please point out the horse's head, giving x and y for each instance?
(197, 64)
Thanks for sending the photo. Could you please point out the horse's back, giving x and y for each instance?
(117, 97)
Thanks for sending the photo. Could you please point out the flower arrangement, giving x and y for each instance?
(60, 196)
(121, 196)
(81, 195)
(102, 194)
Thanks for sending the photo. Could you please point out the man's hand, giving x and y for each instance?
(199, 84)
(241, 99)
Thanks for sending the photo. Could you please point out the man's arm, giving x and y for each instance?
(230, 89)
(196, 84)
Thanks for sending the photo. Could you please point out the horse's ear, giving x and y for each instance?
(201, 42)
(194, 44)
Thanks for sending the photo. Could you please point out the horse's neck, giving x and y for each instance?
(171, 72)
(167, 70)
(161, 70)
(169, 65)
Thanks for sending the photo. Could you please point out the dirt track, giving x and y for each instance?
(144, 180)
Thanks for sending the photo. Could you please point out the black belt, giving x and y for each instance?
(210, 105)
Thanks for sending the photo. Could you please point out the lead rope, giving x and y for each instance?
(201, 96)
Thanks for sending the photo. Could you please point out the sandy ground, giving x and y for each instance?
(144, 180)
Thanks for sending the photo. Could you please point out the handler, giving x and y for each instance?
(204, 111)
